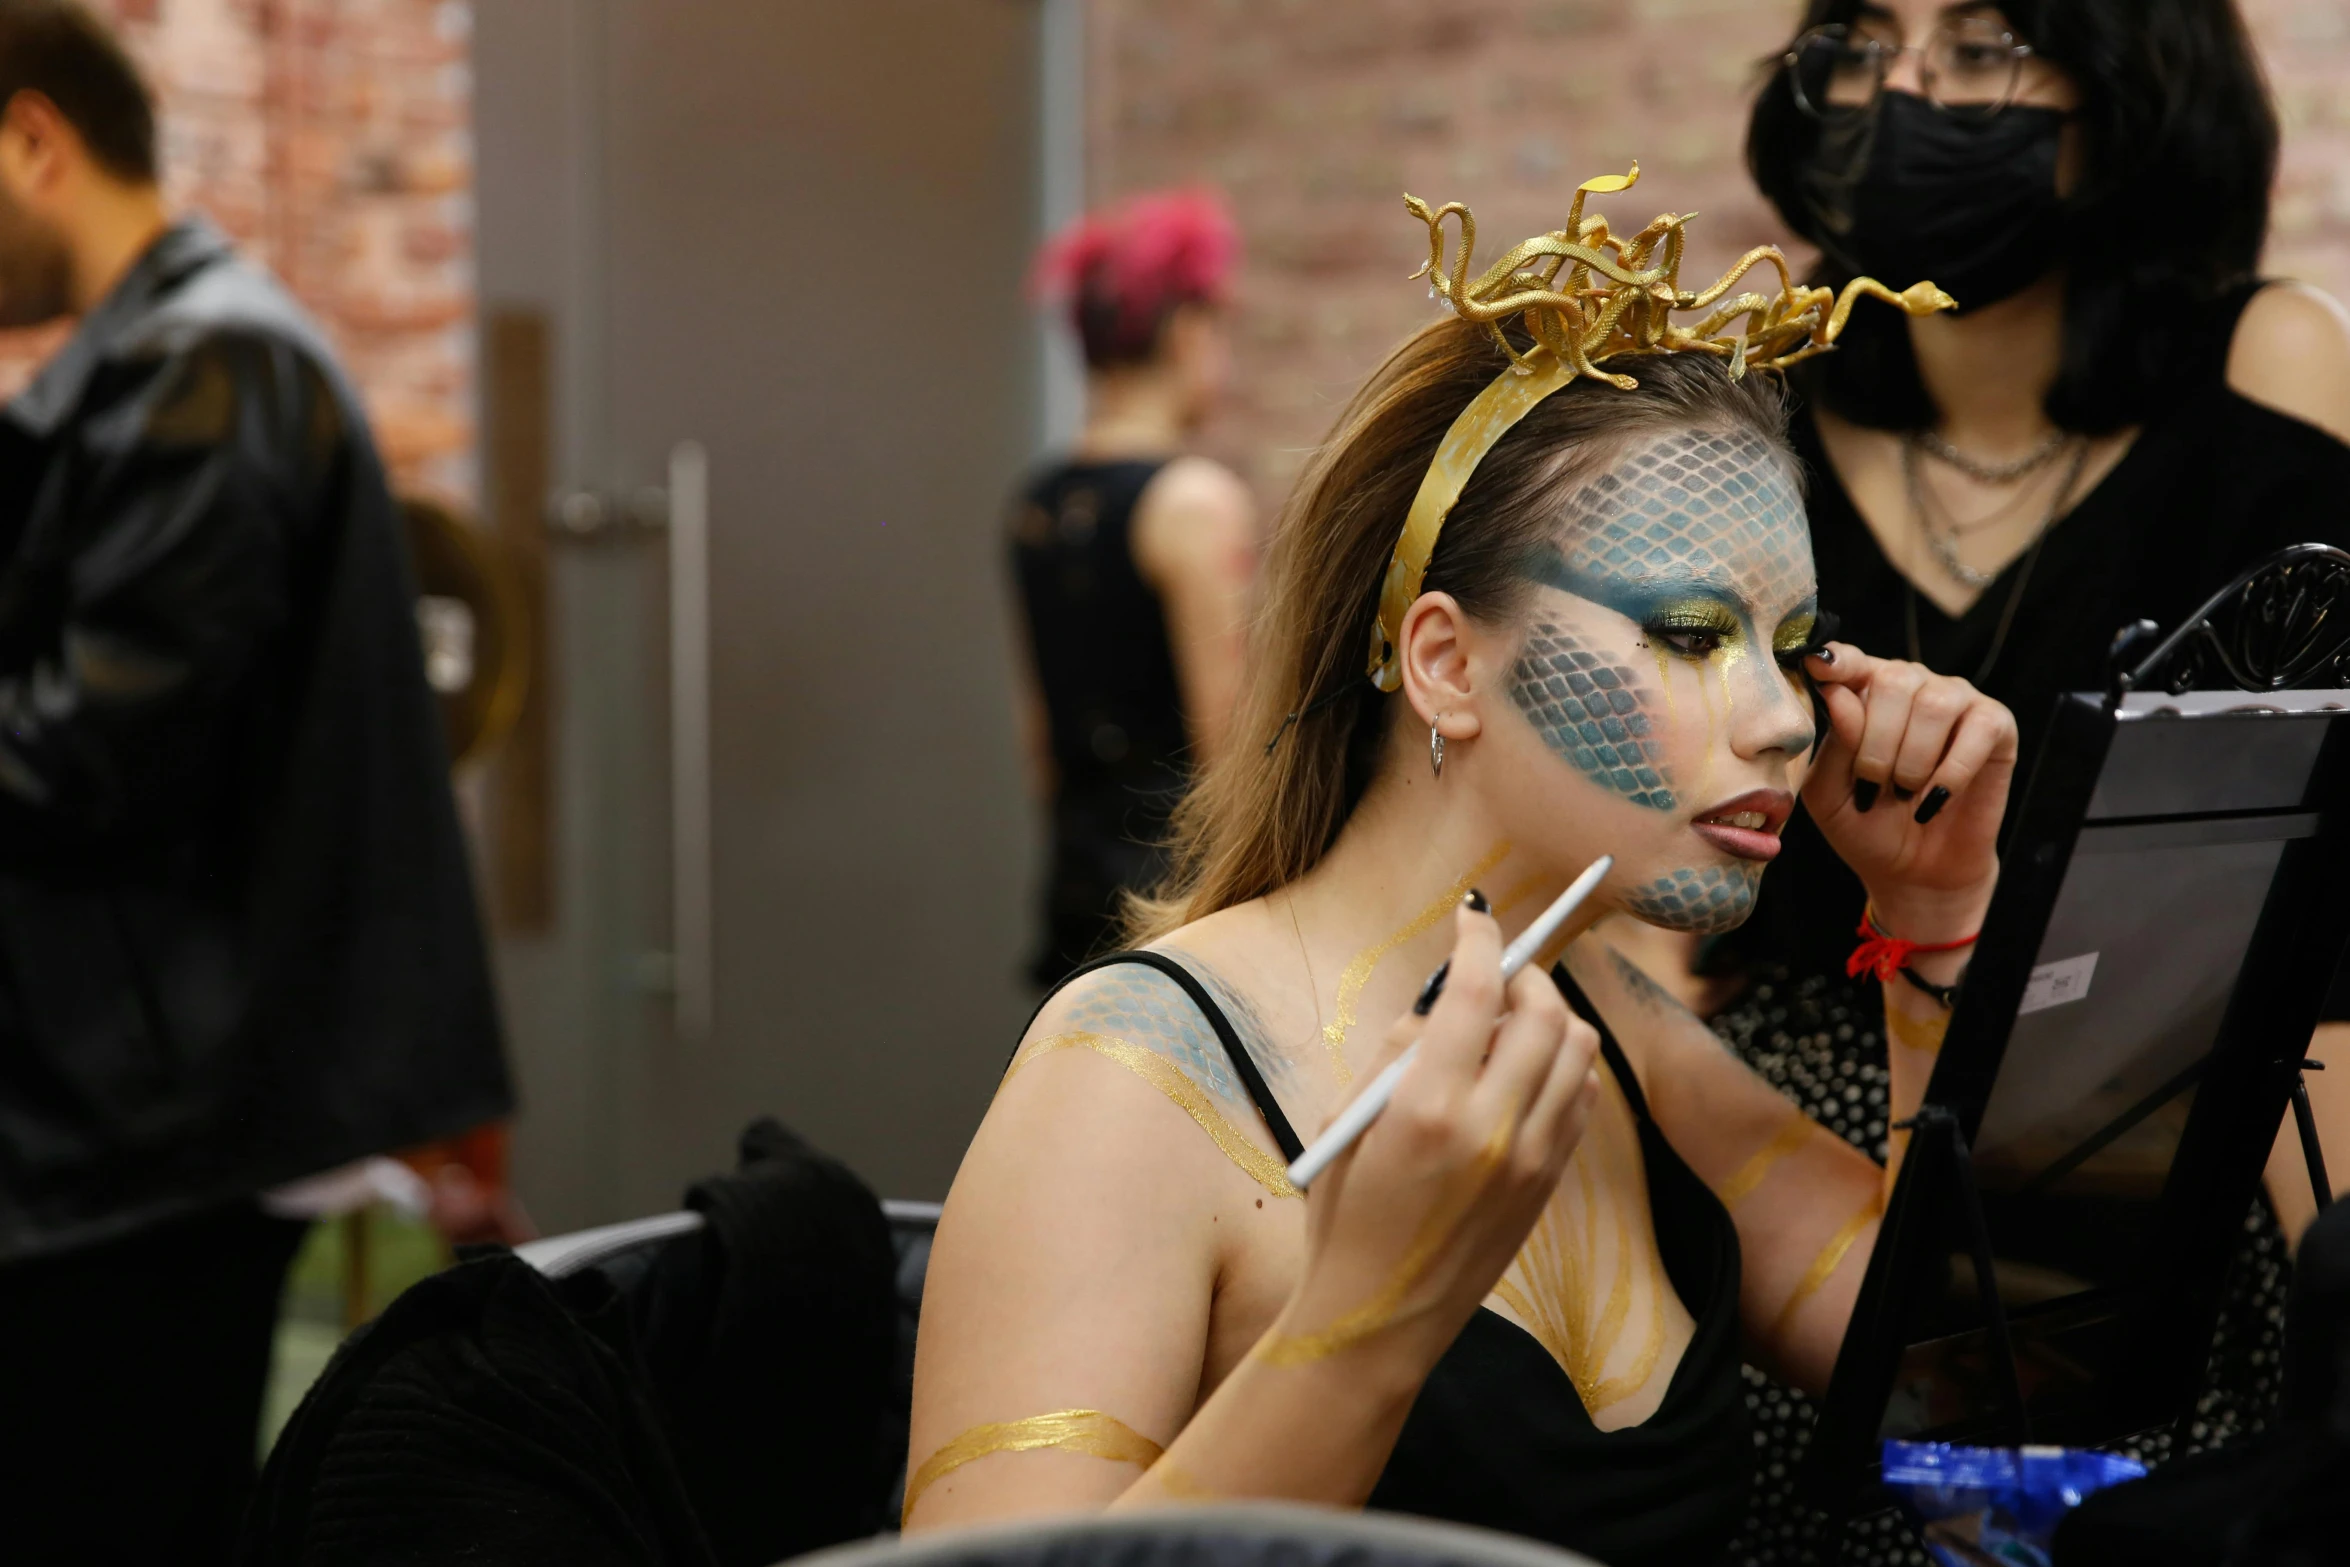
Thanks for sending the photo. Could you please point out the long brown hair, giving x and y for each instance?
(1261, 817)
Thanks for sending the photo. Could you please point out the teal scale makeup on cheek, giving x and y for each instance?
(1694, 518)
(1700, 899)
(1590, 712)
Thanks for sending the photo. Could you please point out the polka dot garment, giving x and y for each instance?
(1820, 1041)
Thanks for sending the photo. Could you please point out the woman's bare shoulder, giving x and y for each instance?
(1143, 1025)
(2291, 352)
(1195, 514)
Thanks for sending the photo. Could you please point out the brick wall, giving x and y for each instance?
(331, 139)
(1315, 116)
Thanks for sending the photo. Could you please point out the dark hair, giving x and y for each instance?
(60, 50)
(2179, 145)
(1260, 818)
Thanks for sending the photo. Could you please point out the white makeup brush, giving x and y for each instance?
(1364, 1108)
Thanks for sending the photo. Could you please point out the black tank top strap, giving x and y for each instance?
(1260, 1094)
(1616, 1060)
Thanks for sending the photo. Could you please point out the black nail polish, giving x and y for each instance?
(1826, 655)
(1864, 794)
(1430, 991)
(1477, 903)
(1931, 806)
(1900, 793)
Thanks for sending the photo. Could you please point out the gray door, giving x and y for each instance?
(791, 237)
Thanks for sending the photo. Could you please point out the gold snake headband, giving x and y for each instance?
(1615, 298)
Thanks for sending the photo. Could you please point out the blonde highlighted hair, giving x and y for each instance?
(1261, 815)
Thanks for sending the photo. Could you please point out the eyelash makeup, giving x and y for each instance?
(1704, 623)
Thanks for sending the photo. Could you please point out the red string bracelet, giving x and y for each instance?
(1885, 954)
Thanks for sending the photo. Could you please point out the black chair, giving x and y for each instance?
(721, 1387)
(1246, 1534)
(624, 1252)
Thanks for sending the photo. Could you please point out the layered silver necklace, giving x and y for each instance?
(1943, 540)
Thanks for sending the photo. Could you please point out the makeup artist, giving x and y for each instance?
(2119, 417)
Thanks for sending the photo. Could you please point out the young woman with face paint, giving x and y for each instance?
(2118, 417)
(1522, 1299)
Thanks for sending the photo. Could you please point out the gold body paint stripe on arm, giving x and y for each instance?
(1824, 1265)
(1918, 1033)
(1180, 1482)
(1351, 1328)
(1357, 973)
(1164, 1075)
(1086, 1431)
(1791, 1136)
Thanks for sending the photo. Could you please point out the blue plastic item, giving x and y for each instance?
(1973, 1506)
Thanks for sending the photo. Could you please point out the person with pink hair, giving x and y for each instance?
(1133, 559)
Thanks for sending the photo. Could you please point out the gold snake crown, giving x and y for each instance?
(1587, 296)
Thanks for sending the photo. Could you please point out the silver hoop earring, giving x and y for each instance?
(1436, 750)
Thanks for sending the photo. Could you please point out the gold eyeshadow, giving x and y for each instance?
(1695, 615)
(1795, 635)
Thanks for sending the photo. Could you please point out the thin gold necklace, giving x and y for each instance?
(1313, 988)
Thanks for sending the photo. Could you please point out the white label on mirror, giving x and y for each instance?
(2054, 984)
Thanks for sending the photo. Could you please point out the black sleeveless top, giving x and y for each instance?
(2209, 487)
(1499, 1437)
(1098, 638)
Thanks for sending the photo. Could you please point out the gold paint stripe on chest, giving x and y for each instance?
(1357, 973)
(1086, 1431)
(1559, 1266)
(1164, 1075)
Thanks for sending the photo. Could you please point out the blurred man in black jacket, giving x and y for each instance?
(238, 943)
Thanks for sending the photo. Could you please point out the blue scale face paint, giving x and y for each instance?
(1687, 533)
(1694, 512)
(1698, 540)
(1702, 899)
(1593, 712)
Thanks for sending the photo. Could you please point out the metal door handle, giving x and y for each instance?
(689, 735)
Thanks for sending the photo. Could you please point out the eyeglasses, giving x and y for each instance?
(1970, 65)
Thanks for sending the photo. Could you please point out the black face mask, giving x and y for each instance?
(1910, 192)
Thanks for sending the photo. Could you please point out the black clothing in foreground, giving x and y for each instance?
(1500, 1438)
(2206, 490)
(238, 942)
(131, 1380)
(717, 1401)
(1097, 638)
